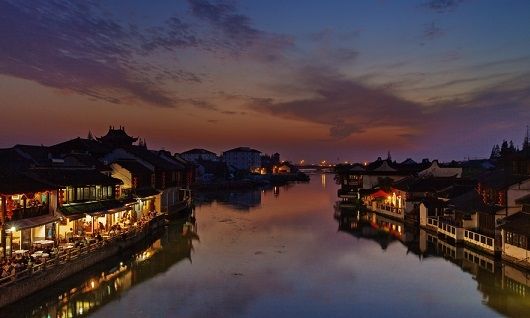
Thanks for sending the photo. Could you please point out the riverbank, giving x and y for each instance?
(69, 262)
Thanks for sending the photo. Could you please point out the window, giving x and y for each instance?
(516, 240)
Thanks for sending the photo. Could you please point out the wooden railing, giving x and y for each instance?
(30, 212)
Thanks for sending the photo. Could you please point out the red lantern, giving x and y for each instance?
(61, 196)
(10, 207)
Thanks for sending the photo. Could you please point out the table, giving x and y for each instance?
(44, 242)
(20, 251)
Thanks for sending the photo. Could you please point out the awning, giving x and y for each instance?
(145, 193)
(380, 194)
(78, 210)
(32, 222)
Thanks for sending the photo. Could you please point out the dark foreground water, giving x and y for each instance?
(287, 252)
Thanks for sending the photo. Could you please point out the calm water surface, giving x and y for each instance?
(285, 252)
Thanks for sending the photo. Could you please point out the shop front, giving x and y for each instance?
(21, 234)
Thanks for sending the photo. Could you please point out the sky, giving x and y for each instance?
(313, 80)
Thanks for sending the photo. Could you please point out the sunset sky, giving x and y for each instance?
(313, 80)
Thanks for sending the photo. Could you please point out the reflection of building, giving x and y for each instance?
(240, 200)
(370, 225)
(505, 287)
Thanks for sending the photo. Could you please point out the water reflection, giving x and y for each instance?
(83, 294)
(240, 200)
(285, 258)
(504, 287)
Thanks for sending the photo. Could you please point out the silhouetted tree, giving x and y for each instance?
(495, 152)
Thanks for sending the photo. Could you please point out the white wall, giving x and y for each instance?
(436, 171)
(123, 174)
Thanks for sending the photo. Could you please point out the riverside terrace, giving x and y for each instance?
(28, 271)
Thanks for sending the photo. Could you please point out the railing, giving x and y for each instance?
(449, 229)
(349, 192)
(480, 260)
(389, 209)
(64, 256)
(432, 222)
(30, 212)
(479, 239)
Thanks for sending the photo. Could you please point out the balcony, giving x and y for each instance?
(30, 212)
(347, 193)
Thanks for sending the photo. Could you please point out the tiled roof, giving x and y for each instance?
(243, 149)
(134, 166)
(152, 158)
(431, 184)
(81, 145)
(501, 179)
(75, 177)
(198, 151)
(518, 223)
(15, 182)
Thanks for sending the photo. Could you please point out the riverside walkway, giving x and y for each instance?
(67, 262)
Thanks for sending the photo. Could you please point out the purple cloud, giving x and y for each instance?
(234, 32)
(343, 104)
(69, 46)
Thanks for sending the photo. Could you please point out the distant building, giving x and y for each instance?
(199, 154)
(117, 138)
(441, 170)
(243, 158)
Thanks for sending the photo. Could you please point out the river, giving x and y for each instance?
(284, 252)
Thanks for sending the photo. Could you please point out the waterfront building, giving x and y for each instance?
(243, 158)
(515, 238)
(138, 184)
(208, 170)
(441, 170)
(169, 176)
(88, 201)
(27, 207)
(196, 154)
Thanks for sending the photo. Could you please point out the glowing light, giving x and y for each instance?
(13, 229)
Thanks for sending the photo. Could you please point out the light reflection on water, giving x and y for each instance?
(291, 251)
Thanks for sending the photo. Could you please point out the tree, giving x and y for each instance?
(504, 148)
(495, 152)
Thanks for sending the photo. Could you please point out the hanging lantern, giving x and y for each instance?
(10, 207)
(61, 196)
